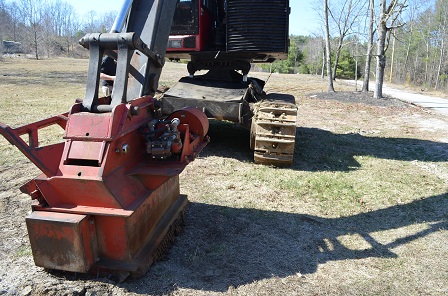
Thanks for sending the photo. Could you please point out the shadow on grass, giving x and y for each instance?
(228, 140)
(321, 150)
(222, 247)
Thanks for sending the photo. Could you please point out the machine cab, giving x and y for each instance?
(194, 26)
(237, 30)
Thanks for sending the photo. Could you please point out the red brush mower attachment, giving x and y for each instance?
(109, 193)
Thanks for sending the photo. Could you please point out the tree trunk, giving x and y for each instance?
(365, 84)
(441, 60)
(406, 59)
(392, 60)
(408, 50)
(380, 52)
(322, 73)
(36, 48)
(336, 58)
(427, 43)
(356, 67)
(328, 48)
(380, 64)
(416, 67)
(442, 33)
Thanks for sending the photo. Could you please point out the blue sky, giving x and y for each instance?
(302, 21)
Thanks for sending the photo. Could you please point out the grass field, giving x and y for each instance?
(363, 210)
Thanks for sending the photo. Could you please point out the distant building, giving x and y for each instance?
(11, 47)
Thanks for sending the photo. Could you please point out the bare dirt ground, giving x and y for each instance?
(363, 211)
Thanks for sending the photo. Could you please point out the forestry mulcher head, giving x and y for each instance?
(108, 196)
(109, 193)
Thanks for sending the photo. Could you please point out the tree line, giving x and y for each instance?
(399, 41)
(48, 28)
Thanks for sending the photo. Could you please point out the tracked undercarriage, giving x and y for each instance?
(224, 94)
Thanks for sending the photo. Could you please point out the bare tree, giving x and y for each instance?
(4, 19)
(328, 48)
(389, 14)
(107, 21)
(365, 85)
(48, 33)
(48, 26)
(324, 59)
(392, 58)
(32, 15)
(312, 50)
(62, 25)
(91, 23)
(71, 27)
(345, 17)
(442, 19)
(8, 20)
(426, 33)
(409, 37)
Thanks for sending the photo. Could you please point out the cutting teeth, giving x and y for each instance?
(162, 250)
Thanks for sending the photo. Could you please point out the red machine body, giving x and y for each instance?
(230, 31)
(103, 203)
(108, 197)
(225, 37)
(192, 25)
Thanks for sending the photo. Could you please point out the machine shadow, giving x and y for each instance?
(223, 247)
(321, 150)
(228, 140)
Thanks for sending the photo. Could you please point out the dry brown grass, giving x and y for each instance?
(363, 211)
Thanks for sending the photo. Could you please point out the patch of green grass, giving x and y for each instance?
(23, 251)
